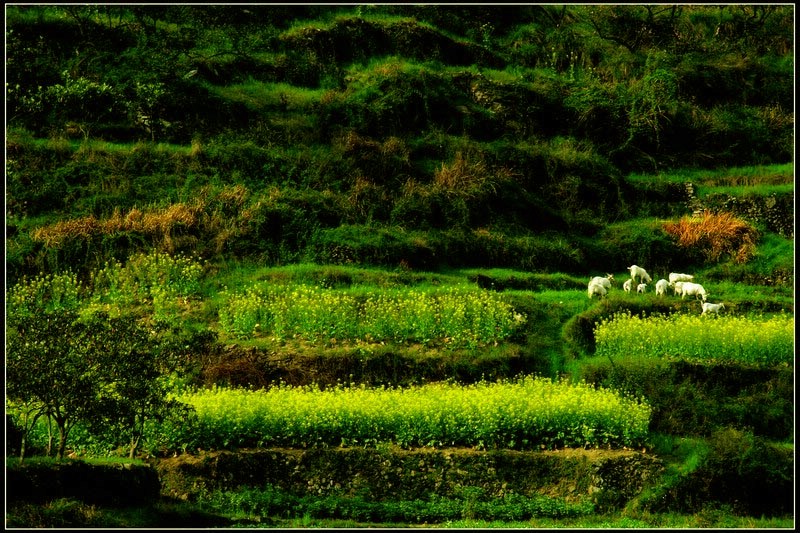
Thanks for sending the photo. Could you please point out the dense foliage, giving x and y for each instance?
(423, 136)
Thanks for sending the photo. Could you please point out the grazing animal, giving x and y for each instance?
(597, 288)
(661, 287)
(711, 308)
(627, 285)
(639, 272)
(605, 281)
(693, 289)
(640, 288)
(678, 288)
(673, 277)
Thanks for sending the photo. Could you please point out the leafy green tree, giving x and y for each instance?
(45, 375)
(105, 372)
(128, 388)
(76, 105)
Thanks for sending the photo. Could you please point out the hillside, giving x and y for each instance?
(424, 136)
(332, 202)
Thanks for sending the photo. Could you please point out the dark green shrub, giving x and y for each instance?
(740, 471)
(661, 199)
(719, 80)
(741, 135)
(246, 161)
(645, 243)
(386, 161)
(749, 473)
(690, 399)
(774, 213)
(598, 113)
(94, 484)
(395, 98)
(549, 252)
(565, 174)
(430, 209)
(24, 256)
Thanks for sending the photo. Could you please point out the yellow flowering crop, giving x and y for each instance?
(523, 413)
(454, 316)
(755, 340)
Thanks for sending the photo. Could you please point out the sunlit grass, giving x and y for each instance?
(747, 176)
(745, 190)
(258, 95)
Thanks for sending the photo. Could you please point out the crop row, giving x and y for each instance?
(755, 340)
(455, 316)
(153, 277)
(523, 413)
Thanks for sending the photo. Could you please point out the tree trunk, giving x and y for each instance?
(22, 448)
(49, 449)
(134, 446)
(62, 441)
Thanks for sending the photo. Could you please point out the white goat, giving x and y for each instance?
(678, 287)
(661, 287)
(627, 285)
(640, 288)
(641, 273)
(673, 277)
(693, 289)
(605, 281)
(711, 308)
(597, 288)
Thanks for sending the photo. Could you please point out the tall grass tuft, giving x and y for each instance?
(716, 235)
(156, 222)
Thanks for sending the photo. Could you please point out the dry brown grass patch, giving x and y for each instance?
(55, 234)
(156, 223)
(716, 235)
(461, 176)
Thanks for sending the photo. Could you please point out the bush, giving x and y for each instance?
(545, 252)
(740, 471)
(715, 235)
(642, 242)
(693, 399)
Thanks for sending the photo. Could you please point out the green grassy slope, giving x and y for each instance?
(423, 135)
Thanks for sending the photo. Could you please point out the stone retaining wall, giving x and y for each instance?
(610, 477)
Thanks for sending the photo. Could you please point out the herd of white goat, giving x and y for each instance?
(682, 285)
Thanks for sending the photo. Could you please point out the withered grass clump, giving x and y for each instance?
(715, 235)
(468, 176)
(461, 175)
(157, 222)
